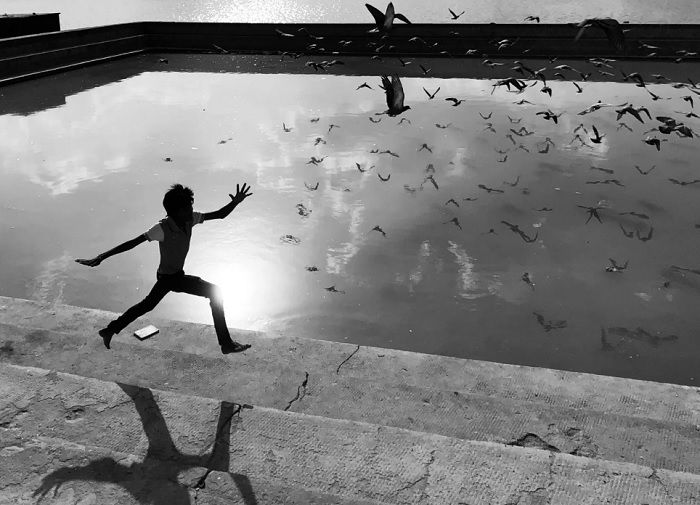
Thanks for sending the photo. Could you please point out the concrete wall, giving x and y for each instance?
(15, 25)
(27, 55)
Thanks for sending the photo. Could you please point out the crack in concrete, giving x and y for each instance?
(201, 483)
(299, 388)
(424, 477)
(542, 492)
(655, 476)
(351, 355)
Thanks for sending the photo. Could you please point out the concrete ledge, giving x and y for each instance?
(581, 414)
(60, 430)
(15, 25)
(437, 40)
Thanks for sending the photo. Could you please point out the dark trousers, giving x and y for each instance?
(180, 283)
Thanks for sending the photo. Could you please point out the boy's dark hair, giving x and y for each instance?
(177, 197)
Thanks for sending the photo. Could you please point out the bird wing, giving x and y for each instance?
(402, 18)
(595, 130)
(389, 16)
(583, 25)
(388, 90)
(398, 96)
(376, 14)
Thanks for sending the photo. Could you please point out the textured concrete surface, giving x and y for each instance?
(79, 440)
(581, 414)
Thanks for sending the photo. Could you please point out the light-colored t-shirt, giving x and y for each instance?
(174, 243)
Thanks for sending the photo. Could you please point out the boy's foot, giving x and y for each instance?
(234, 347)
(106, 335)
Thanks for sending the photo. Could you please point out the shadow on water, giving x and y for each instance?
(163, 461)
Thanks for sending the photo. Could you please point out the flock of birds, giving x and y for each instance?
(522, 78)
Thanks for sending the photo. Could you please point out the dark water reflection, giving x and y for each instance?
(85, 175)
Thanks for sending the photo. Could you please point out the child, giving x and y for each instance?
(173, 234)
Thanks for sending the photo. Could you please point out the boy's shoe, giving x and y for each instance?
(106, 335)
(234, 347)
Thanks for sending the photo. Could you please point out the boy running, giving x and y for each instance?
(173, 234)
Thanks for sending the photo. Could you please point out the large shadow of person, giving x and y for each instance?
(163, 461)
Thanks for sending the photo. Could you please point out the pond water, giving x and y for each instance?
(83, 168)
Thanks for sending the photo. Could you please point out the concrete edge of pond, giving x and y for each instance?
(296, 354)
(86, 439)
(34, 55)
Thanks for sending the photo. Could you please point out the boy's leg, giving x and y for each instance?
(159, 290)
(196, 286)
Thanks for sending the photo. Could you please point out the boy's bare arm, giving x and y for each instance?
(129, 244)
(241, 194)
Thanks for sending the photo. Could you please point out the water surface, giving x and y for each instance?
(83, 171)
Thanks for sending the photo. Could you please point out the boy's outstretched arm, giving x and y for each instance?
(241, 194)
(129, 244)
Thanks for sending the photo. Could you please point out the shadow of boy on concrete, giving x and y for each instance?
(163, 461)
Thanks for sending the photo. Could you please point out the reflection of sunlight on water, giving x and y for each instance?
(249, 290)
(49, 285)
(467, 279)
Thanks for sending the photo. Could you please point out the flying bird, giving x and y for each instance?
(598, 138)
(616, 267)
(644, 172)
(532, 18)
(284, 127)
(455, 221)
(385, 20)
(599, 105)
(526, 278)
(683, 183)
(551, 324)
(455, 101)
(623, 125)
(611, 27)
(648, 237)
(383, 178)
(548, 114)
(432, 180)
(490, 190)
(455, 16)
(653, 141)
(592, 213)
(394, 95)
(431, 95)
(631, 110)
(311, 188)
(363, 85)
(377, 228)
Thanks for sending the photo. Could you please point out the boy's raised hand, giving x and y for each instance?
(241, 194)
(91, 262)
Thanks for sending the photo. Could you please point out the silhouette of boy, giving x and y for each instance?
(173, 234)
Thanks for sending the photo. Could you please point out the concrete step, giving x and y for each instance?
(73, 453)
(64, 58)
(636, 398)
(76, 473)
(58, 430)
(275, 377)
